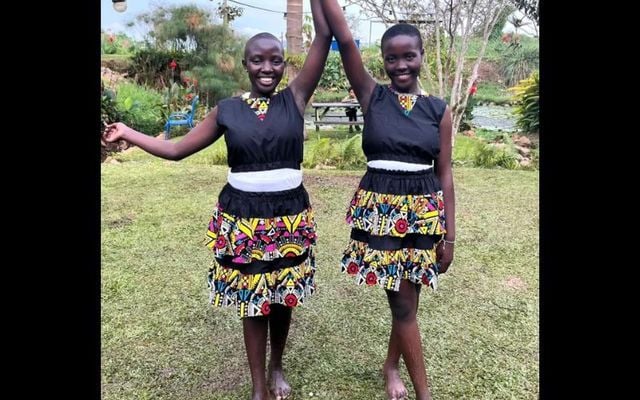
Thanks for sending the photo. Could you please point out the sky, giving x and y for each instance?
(251, 22)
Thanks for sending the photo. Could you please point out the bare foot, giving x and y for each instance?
(278, 385)
(393, 384)
(259, 395)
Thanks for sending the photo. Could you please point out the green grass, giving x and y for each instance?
(492, 92)
(161, 339)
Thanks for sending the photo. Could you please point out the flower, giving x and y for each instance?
(352, 269)
(265, 308)
(173, 64)
(371, 278)
(401, 225)
(291, 300)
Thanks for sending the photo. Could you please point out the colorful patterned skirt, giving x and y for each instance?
(396, 220)
(263, 250)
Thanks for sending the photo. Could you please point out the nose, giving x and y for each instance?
(267, 67)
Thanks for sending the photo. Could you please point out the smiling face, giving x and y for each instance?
(402, 56)
(264, 61)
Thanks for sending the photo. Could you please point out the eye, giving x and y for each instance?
(410, 57)
(277, 61)
(390, 59)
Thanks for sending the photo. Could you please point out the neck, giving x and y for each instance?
(413, 90)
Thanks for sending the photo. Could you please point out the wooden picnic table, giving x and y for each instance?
(318, 116)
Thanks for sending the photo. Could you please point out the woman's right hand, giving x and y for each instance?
(114, 132)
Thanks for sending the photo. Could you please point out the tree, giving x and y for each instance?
(447, 27)
(294, 34)
(210, 52)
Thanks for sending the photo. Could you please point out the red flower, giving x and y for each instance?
(352, 269)
(371, 278)
(265, 308)
(173, 64)
(221, 242)
(291, 300)
(401, 225)
(473, 90)
(188, 96)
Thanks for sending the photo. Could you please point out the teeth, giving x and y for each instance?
(266, 81)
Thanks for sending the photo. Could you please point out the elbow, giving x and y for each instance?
(174, 154)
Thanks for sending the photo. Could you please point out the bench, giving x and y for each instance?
(337, 118)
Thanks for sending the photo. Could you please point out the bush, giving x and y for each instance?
(141, 108)
(527, 95)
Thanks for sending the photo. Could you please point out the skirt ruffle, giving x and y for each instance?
(397, 219)
(253, 294)
(386, 268)
(263, 258)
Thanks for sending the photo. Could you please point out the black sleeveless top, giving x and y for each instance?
(390, 135)
(254, 145)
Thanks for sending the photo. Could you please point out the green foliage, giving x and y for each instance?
(527, 95)
(109, 113)
(118, 43)
(492, 92)
(372, 60)
(489, 156)
(219, 71)
(496, 32)
(352, 155)
(468, 113)
(518, 62)
(211, 53)
(150, 67)
(141, 108)
(178, 28)
(328, 96)
(333, 76)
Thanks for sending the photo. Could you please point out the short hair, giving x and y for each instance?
(261, 35)
(401, 29)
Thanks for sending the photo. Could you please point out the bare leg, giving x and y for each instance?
(393, 383)
(255, 341)
(279, 322)
(404, 305)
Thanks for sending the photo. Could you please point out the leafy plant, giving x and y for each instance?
(527, 95)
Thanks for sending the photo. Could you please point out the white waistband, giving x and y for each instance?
(397, 165)
(272, 180)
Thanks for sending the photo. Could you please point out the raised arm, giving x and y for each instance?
(201, 136)
(307, 79)
(362, 83)
(445, 175)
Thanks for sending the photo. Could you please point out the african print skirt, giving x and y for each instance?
(263, 250)
(396, 219)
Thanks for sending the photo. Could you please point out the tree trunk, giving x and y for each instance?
(294, 33)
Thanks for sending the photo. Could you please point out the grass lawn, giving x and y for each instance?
(161, 339)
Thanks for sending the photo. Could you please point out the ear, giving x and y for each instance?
(422, 51)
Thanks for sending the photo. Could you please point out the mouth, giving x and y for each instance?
(404, 77)
(266, 81)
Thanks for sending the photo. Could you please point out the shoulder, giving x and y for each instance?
(437, 104)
